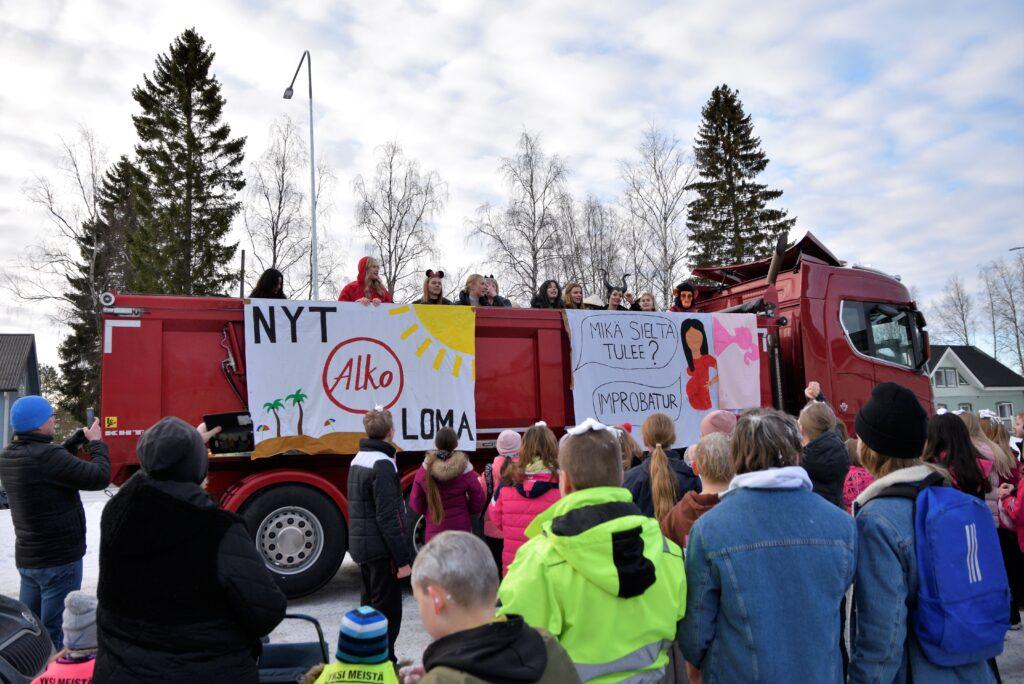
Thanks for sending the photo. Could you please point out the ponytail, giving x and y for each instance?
(664, 489)
(659, 430)
(435, 509)
(446, 441)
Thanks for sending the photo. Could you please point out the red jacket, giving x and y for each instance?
(462, 497)
(516, 505)
(356, 290)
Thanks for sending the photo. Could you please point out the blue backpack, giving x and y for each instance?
(961, 612)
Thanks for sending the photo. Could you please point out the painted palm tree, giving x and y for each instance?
(274, 407)
(297, 398)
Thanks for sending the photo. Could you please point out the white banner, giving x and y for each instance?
(315, 368)
(627, 366)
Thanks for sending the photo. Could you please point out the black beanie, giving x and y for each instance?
(892, 422)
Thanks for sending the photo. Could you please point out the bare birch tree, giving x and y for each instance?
(395, 209)
(522, 237)
(70, 203)
(990, 311)
(276, 213)
(655, 202)
(590, 243)
(955, 313)
(1009, 280)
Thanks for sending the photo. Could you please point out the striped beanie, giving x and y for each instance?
(363, 637)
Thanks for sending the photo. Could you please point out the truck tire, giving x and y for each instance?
(300, 534)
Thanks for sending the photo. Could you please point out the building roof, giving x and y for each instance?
(17, 352)
(988, 371)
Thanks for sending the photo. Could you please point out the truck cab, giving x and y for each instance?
(847, 327)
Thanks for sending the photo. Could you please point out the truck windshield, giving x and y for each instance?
(882, 331)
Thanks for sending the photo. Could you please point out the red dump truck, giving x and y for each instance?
(847, 327)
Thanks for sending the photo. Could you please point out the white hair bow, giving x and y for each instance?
(941, 412)
(540, 423)
(988, 414)
(378, 407)
(588, 425)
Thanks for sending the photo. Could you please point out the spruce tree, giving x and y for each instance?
(195, 171)
(124, 206)
(729, 221)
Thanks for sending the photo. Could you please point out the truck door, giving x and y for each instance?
(853, 375)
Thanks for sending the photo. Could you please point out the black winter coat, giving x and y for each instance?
(827, 461)
(638, 481)
(184, 595)
(376, 507)
(42, 481)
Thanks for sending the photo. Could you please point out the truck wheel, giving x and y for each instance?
(300, 534)
(415, 532)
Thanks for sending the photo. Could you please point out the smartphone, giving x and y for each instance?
(90, 416)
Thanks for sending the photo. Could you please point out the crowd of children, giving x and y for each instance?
(731, 561)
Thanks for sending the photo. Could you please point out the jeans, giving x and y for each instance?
(43, 590)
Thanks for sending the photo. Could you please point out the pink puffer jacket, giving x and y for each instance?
(490, 529)
(516, 505)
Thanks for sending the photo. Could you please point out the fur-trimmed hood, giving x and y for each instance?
(451, 467)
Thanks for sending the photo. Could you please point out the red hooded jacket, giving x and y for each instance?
(356, 290)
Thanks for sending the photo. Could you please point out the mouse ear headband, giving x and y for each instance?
(435, 274)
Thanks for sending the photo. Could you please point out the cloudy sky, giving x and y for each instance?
(895, 130)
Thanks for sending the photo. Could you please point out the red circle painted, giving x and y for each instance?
(330, 358)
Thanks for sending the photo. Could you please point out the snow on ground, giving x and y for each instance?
(340, 595)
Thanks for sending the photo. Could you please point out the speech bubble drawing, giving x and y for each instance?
(621, 398)
(626, 341)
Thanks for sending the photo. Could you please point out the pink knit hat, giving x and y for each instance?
(717, 421)
(509, 442)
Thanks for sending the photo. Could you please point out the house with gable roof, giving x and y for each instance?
(964, 377)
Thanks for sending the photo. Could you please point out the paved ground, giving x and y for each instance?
(340, 595)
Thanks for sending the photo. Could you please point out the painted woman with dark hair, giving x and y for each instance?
(269, 286)
(698, 364)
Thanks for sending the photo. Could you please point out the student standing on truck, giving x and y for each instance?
(376, 518)
(269, 286)
(474, 292)
(433, 289)
(573, 296)
(183, 593)
(683, 297)
(367, 288)
(43, 480)
(644, 302)
(491, 294)
(549, 296)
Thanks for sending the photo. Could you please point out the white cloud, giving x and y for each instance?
(894, 129)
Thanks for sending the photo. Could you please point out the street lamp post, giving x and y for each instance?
(313, 266)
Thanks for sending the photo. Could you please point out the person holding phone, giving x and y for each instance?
(43, 480)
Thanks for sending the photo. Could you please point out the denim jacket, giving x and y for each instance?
(883, 644)
(767, 569)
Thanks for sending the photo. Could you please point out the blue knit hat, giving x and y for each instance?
(363, 637)
(29, 413)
